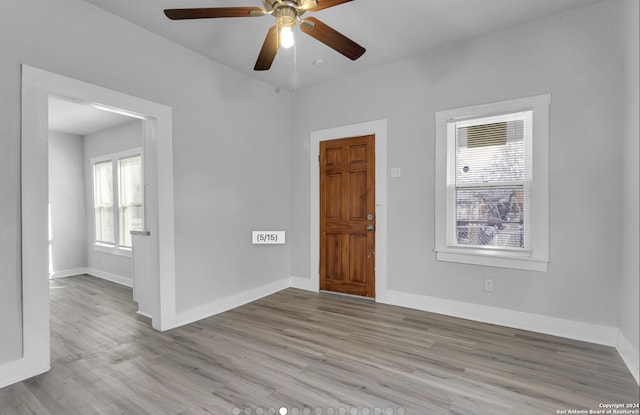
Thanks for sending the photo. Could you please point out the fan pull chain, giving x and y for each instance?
(278, 68)
(295, 66)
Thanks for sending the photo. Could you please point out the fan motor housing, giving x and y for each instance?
(286, 16)
(299, 5)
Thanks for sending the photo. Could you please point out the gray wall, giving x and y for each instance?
(231, 160)
(108, 141)
(576, 57)
(628, 299)
(67, 202)
(10, 217)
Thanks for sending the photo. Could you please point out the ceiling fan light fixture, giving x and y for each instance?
(286, 20)
(286, 16)
(286, 37)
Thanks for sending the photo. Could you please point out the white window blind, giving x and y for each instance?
(489, 181)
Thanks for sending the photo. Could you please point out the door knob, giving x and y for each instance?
(369, 228)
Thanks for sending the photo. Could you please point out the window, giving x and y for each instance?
(492, 184)
(103, 201)
(129, 198)
(117, 182)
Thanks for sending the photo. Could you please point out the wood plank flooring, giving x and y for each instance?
(312, 354)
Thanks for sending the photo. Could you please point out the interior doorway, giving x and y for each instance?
(37, 86)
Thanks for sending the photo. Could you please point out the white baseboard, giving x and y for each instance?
(227, 303)
(19, 370)
(67, 273)
(302, 283)
(143, 314)
(592, 333)
(630, 355)
(118, 279)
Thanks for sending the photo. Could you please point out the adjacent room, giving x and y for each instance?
(319, 207)
(83, 144)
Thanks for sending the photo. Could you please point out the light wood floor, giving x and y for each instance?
(313, 354)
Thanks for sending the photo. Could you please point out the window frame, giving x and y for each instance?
(536, 256)
(115, 248)
(121, 208)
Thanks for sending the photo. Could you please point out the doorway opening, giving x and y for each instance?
(37, 86)
(86, 237)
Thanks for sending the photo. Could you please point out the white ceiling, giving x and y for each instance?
(81, 119)
(389, 30)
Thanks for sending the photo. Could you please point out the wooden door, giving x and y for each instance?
(347, 216)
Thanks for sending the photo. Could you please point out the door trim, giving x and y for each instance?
(37, 85)
(379, 129)
(158, 148)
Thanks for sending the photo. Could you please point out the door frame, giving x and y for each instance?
(37, 85)
(379, 129)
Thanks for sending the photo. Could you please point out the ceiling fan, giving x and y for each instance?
(286, 12)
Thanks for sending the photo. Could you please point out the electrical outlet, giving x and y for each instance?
(488, 285)
(396, 172)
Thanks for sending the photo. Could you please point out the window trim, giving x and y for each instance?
(115, 248)
(537, 257)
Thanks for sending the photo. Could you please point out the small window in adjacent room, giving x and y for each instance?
(129, 198)
(103, 201)
(492, 184)
(118, 182)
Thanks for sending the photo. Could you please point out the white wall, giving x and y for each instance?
(630, 287)
(230, 156)
(575, 57)
(67, 201)
(111, 140)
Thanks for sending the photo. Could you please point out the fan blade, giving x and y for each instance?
(268, 51)
(325, 4)
(330, 37)
(213, 12)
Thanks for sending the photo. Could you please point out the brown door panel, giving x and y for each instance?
(347, 215)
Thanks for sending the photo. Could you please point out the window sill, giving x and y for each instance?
(492, 258)
(113, 250)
